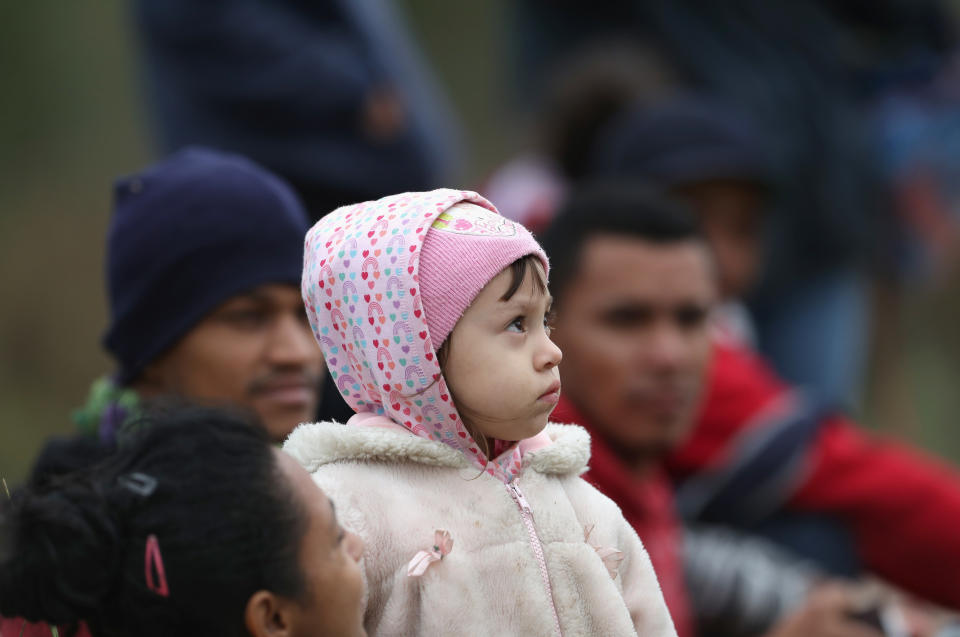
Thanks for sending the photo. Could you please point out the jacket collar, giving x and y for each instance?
(317, 444)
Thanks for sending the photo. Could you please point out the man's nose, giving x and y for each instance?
(292, 343)
(667, 347)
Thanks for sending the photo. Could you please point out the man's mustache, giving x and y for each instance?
(277, 379)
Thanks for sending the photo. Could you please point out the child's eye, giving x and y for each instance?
(516, 325)
(549, 320)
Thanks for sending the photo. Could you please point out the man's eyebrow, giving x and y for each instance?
(625, 307)
(251, 296)
(255, 295)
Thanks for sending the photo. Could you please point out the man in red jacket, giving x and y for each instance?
(667, 396)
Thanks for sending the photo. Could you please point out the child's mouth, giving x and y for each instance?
(552, 395)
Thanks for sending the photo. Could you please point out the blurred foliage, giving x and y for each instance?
(72, 119)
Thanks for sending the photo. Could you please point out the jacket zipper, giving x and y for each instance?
(526, 513)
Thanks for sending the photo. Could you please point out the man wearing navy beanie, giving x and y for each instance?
(204, 255)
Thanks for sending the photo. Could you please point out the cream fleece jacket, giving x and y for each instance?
(395, 490)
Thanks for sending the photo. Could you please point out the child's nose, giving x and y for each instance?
(549, 355)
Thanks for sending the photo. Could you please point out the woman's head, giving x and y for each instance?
(197, 527)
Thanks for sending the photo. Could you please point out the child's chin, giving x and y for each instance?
(536, 428)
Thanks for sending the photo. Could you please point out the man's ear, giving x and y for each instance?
(151, 381)
(268, 615)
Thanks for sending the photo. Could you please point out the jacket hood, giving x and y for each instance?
(361, 288)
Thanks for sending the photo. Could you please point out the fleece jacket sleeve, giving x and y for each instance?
(641, 590)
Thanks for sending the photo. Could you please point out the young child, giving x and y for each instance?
(431, 310)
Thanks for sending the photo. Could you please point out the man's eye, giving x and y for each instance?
(692, 318)
(626, 318)
(302, 317)
(246, 318)
(516, 325)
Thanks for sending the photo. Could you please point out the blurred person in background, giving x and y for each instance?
(918, 130)
(668, 397)
(204, 255)
(695, 148)
(580, 100)
(334, 96)
(806, 76)
(198, 526)
(704, 153)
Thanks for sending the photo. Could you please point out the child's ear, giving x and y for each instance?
(268, 615)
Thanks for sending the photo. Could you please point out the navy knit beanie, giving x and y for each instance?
(188, 233)
(685, 139)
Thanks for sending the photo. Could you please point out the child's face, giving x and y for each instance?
(502, 365)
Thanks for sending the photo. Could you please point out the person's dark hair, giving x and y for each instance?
(206, 484)
(590, 90)
(518, 271)
(611, 208)
(60, 456)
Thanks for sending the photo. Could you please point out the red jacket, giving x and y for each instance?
(648, 506)
(18, 627)
(902, 507)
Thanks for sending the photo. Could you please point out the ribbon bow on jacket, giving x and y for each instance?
(610, 556)
(442, 545)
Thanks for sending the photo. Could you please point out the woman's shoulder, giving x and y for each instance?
(314, 445)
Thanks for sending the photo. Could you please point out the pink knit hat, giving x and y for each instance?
(465, 248)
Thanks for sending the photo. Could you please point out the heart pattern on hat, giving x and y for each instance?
(361, 290)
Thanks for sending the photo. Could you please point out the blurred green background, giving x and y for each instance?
(71, 119)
